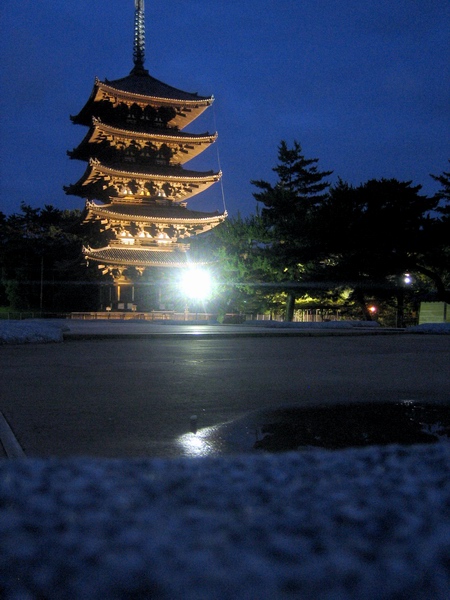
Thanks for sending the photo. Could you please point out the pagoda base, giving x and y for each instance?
(125, 296)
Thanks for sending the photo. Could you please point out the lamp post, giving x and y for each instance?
(404, 281)
(41, 289)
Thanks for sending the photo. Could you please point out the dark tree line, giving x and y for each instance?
(41, 262)
(308, 244)
(335, 244)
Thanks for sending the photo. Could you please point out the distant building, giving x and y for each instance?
(135, 183)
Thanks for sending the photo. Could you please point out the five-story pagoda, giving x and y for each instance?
(135, 183)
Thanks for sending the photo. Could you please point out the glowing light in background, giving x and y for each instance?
(196, 284)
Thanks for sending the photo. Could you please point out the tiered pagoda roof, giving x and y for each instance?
(137, 257)
(160, 214)
(184, 146)
(135, 149)
(143, 90)
(100, 181)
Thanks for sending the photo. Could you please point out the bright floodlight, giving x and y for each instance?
(196, 284)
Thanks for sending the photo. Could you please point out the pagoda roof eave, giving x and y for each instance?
(98, 128)
(167, 135)
(96, 167)
(146, 86)
(101, 90)
(140, 257)
(96, 172)
(138, 213)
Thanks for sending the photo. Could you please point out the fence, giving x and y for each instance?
(154, 315)
(300, 316)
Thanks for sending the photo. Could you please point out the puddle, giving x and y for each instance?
(332, 427)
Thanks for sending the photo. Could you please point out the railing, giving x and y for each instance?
(300, 316)
(306, 316)
(154, 315)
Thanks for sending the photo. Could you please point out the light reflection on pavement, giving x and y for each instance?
(198, 444)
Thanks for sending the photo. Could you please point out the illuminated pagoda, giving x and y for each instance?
(135, 183)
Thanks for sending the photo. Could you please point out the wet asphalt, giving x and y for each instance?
(115, 394)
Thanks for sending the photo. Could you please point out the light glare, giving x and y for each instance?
(196, 284)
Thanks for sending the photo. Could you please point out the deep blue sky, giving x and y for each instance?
(363, 85)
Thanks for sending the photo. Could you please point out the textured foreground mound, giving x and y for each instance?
(359, 523)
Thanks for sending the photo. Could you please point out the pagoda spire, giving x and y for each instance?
(139, 38)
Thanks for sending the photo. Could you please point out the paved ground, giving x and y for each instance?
(134, 396)
(96, 329)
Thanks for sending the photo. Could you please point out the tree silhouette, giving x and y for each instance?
(288, 214)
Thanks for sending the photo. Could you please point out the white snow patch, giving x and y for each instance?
(30, 332)
(366, 523)
(38, 331)
(430, 328)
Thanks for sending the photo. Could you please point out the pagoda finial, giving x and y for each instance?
(139, 38)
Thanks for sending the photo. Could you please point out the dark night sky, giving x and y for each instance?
(362, 85)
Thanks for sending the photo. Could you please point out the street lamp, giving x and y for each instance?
(404, 281)
(196, 284)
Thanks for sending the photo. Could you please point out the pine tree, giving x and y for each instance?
(300, 187)
(288, 214)
(443, 195)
